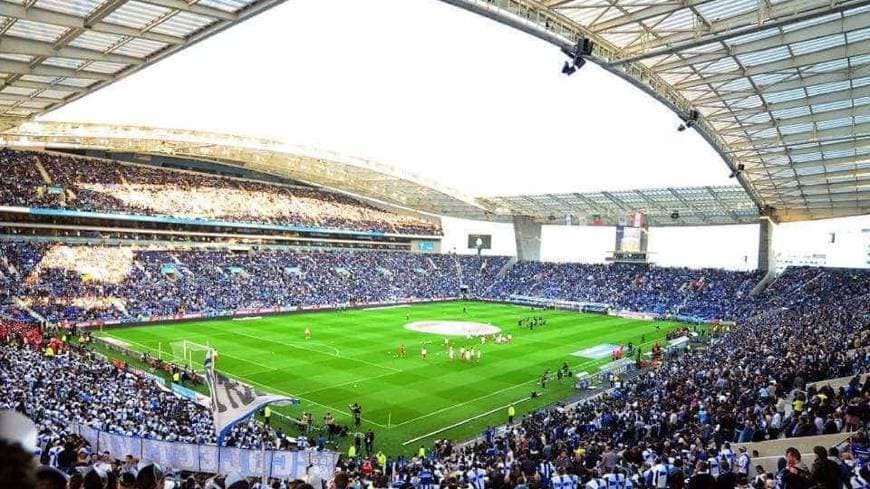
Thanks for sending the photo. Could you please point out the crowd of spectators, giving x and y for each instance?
(73, 386)
(674, 426)
(668, 427)
(703, 293)
(78, 283)
(97, 185)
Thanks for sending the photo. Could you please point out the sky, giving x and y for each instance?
(420, 85)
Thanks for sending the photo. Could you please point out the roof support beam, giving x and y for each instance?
(837, 96)
(792, 63)
(722, 204)
(829, 115)
(789, 12)
(820, 163)
(36, 14)
(814, 135)
(25, 98)
(194, 9)
(786, 175)
(18, 45)
(839, 25)
(42, 86)
(689, 205)
(17, 67)
(644, 13)
(104, 11)
(617, 202)
(665, 212)
(789, 83)
(848, 143)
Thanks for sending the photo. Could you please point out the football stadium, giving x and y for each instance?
(423, 244)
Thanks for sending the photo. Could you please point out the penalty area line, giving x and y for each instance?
(279, 391)
(460, 423)
(578, 365)
(355, 381)
(291, 345)
(264, 386)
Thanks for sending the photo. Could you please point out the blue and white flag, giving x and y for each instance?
(231, 400)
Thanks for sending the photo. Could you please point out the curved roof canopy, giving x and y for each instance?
(55, 51)
(695, 206)
(782, 86)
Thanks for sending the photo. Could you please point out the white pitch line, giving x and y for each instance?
(264, 386)
(355, 381)
(316, 351)
(176, 357)
(454, 425)
(489, 395)
(433, 413)
(331, 408)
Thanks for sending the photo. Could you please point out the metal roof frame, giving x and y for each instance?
(782, 87)
(53, 52)
(696, 206)
(685, 206)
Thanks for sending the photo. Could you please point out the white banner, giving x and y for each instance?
(233, 401)
(210, 459)
(183, 456)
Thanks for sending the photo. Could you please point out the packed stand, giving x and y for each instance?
(80, 283)
(703, 293)
(668, 427)
(57, 385)
(674, 426)
(480, 272)
(95, 185)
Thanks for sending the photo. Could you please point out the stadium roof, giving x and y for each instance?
(782, 86)
(54, 51)
(696, 206)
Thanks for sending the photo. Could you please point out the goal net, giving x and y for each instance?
(189, 353)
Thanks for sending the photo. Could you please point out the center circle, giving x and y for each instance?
(453, 328)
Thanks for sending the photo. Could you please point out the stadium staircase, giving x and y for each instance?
(42, 171)
(506, 268)
(458, 271)
(796, 291)
(837, 382)
(24, 307)
(10, 268)
(686, 298)
(771, 451)
(501, 274)
(762, 284)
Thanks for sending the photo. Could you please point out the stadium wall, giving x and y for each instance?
(456, 233)
(584, 244)
(842, 242)
(727, 247)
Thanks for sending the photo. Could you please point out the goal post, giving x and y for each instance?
(189, 353)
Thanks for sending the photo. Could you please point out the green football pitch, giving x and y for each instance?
(408, 402)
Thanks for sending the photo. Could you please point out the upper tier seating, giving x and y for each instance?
(98, 185)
